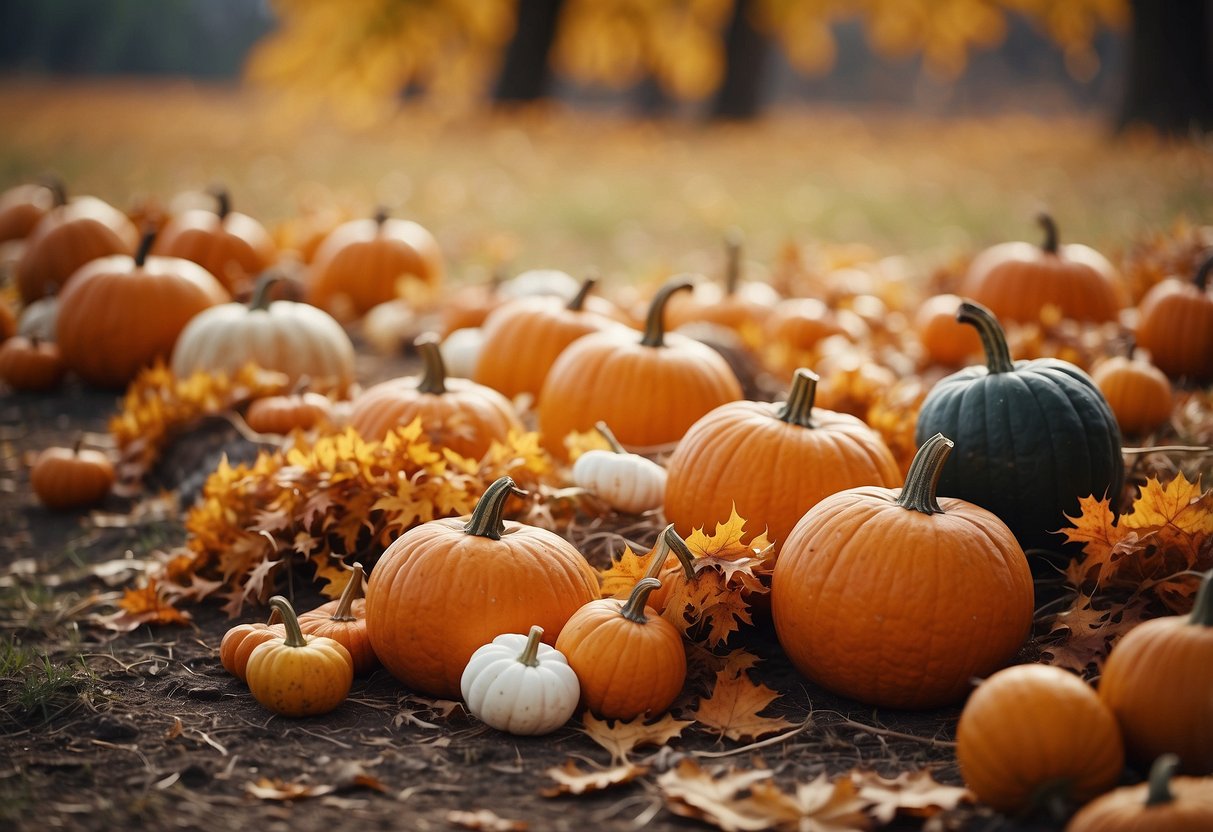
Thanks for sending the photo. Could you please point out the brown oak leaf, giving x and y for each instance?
(732, 708)
(572, 779)
(915, 793)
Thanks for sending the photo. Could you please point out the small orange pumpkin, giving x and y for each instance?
(21, 207)
(944, 339)
(1164, 803)
(740, 307)
(30, 364)
(239, 642)
(630, 661)
(67, 478)
(344, 621)
(797, 327)
(294, 411)
(1137, 391)
(1175, 323)
(298, 675)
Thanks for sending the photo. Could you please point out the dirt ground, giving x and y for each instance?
(146, 729)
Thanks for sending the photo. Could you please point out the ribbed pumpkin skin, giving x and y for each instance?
(1034, 726)
(1175, 323)
(240, 641)
(742, 454)
(300, 681)
(64, 478)
(116, 318)
(438, 593)
(897, 608)
(1125, 809)
(234, 248)
(66, 238)
(1137, 391)
(21, 207)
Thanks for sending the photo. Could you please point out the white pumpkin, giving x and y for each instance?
(627, 482)
(539, 282)
(38, 319)
(461, 351)
(519, 685)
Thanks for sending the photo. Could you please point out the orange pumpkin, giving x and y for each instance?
(233, 247)
(456, 412)
(1137, 391)
(239, 642)
(30, 364)
(344, 621)
(283, 414)
(1158, 681)
(944, 339)
(740, 307)
(896, 598)
(119, 314)
(1016, 281)
(523, 338)
(649, 390)
(21, 208)
(1163, 804)
(1034, 736)
(468, 306)
(446, 587)
(298, 675)
(630, 661)
(1175, 323)
(797, 327)
(67, 478)
(771, 462)
(360, 264)
(68, 236)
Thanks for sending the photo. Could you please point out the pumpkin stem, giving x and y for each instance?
(381, 215)
(733, 238)
(223, 201)
(654, 324)
(294, 636)
(1045, 221)
(530, 653)
(993, 339)
(616, 447)
(275, 617)
(578, 300)
(1202, 610)
(145, 246)
(486, 517)
(58, 190)
(433, 380)
(351, 593)
(659, 556)
(1159, 791)
(679, 547)
(76, 445)
(918, 494)
(633, 610)
(261, 291)
(798, 409)
(1202, 274)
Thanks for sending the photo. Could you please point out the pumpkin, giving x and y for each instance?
(67, 478)
(8, 322)
(523, 338)
(1164, 803)
(293, 411)
(1137, 391)
(68, 236)
(739, 307)
(1175, 323)
(1034, 436)
(293, 338)
(539, 282)
(21, 207)
(30, 364)
(626, 482)
(772, 462)
(944, 339)
(455, 412)
(1016, 281)
(519, 685)
(1158, 681)
(649, 390)
(119, 314)
(239, 642)
(360, 264)
(344, 621)
(232, 246)
(298, 675)
(629, 659)
(468, 306)
(1035, 736)
(38, 319)
(798, 327)
(446, 587)
(461, 351)
(896, 598)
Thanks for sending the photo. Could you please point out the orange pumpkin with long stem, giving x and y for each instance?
(1175, 323)
(446, 587)
(344, 621)
(298, 675)
(740, 307)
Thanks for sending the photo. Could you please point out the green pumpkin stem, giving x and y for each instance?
(351, 593)
(733, 239)
(616, 447)
(486, 517)
(294, 636)
(145, 247)
(275, 617)
(261, 299)
(798, 409)
(1045, 221)
(918, 494)
(1202, 610)
(223, 202)
(1159, 790)
(1202, 274)
(530, 653)
(993, 339)
(654, 324)
(633, 609)
(578, 301)
(433, 379)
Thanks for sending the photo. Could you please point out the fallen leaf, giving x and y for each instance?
(621, 737)
(571, 779)
(267, 789)
(1083, 635)
(484, 820)
(732, 708)
(915, 793)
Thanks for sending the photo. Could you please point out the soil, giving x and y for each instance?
(146, 729)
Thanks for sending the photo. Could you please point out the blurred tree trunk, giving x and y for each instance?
(525, 74)
(1170, 72)
(740, 93)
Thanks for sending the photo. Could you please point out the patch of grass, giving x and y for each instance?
(36, 688)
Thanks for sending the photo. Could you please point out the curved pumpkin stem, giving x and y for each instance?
(578, 300)
(1159, 790)
(275, 617)
(654, 324)
(1045, 221)
(433, 379)
(733, 238)
(294, 636)
(530, 653)
(993, 339)
(1202, 610)
(616, 446)
(223, 202)
(145, 246)
(380, 216)
(1202, 274)
(633, 610)
(798, 409)
(261, 299)
(486, 517)
(918, 494)
(351, 593)
(58, 190)
(670, 541)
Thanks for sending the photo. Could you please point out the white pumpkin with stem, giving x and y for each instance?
(519, 685)
(627, 482)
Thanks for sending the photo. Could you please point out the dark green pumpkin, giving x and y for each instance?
(1032, 437)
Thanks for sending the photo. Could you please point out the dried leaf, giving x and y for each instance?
(733, 706)
(622, 737)
(572, 779)
(915, 793)
(1084, 635)
(267, 789)
(483, 819)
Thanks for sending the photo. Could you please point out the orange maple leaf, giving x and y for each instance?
(731, 709)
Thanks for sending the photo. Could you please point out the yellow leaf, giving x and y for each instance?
(621, 737)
